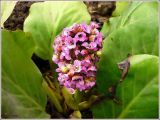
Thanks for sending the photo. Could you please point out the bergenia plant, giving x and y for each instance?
(76, 59)
(76, 52)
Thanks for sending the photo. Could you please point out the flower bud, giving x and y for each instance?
(55, 58)
(92, 37)
(69, 66)
(64, 69)
(99, 53)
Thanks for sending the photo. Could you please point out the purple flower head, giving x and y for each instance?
(65, 53)
(57, 48)
(84, 52)
(92, 38)
(90, 73)
(67, 84)
(77, 78)
(85, 66)
(76, 52)
(81, 36)
(62, 67)
(94, 25)
(86, 28)
(90, 84)
(95, 31)
(75, 27)
(58, 40)
(66, 32)
(62, 78)
(90, 46)
(79, 82)
(70, 42)
(55, 58)
(92, 68)
(77, 66)
(98, 39)
(81, 85)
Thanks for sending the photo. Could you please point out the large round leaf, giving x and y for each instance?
(137, 94)
(135, 32)
(6, 10)
(22, 93)
(120, 7)
(47, 19)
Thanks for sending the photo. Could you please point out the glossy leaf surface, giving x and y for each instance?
(137, 94)
(6, 10)
(135, 34)
(22, 93)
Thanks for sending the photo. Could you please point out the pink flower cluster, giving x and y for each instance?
(76, 52)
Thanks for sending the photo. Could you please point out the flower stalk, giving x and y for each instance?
(52, 96)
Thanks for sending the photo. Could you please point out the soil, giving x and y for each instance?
(18, 16)
(100, 11)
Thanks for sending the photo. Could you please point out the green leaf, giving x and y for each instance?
(6, 10)
(135, 13)
(47, 19)
(120, 7)
(138, 93)
(136, 32)
(22, 93)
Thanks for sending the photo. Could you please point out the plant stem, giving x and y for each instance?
(52, 96)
